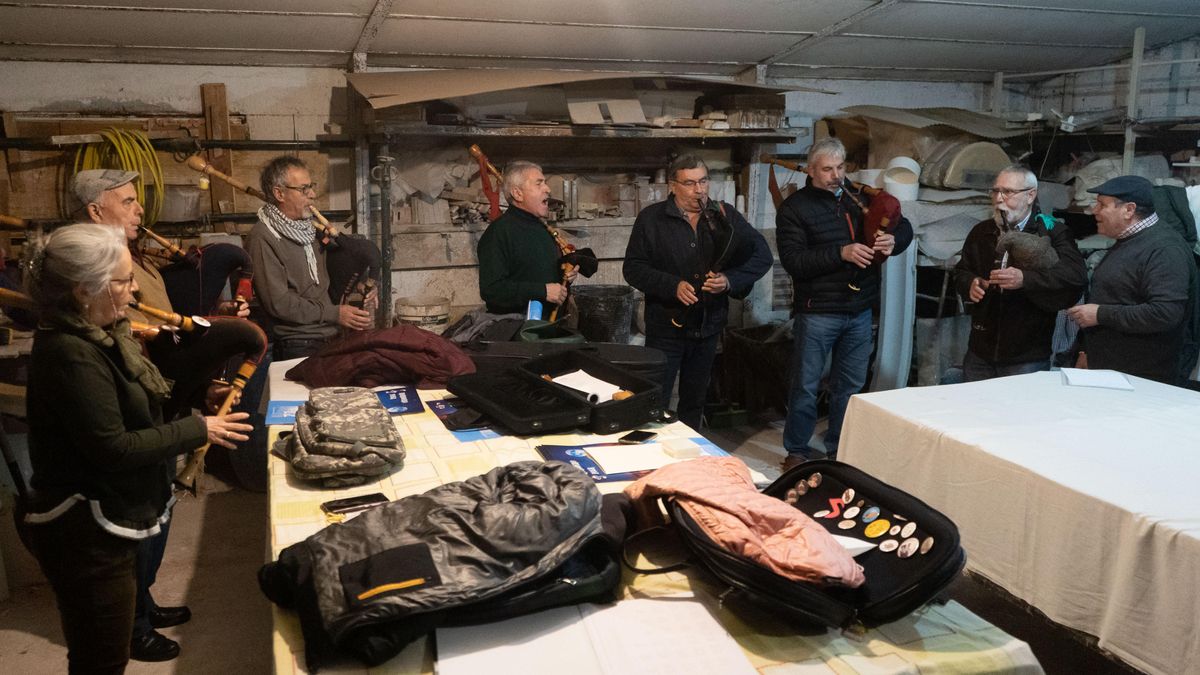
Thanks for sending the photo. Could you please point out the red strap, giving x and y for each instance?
(492, 193)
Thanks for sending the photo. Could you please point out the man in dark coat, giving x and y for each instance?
(1016, 299)
(819, 232)
(1138, 302)
(688, 254)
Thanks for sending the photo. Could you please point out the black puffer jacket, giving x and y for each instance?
(517, 539)
(811, 229)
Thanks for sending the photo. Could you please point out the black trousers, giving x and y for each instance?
(692, 359)
(92, 574)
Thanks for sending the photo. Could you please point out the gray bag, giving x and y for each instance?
(343, 436)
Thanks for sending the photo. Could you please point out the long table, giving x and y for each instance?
(945, 638)
(1083, 502)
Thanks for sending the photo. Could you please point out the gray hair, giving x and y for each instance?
(684, 163)
(76, 255)
(826, 146)
(514, 175)
(275, 174)
(1029, 177)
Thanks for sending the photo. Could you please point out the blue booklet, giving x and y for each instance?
(282, 412)
(400, 400)
(444, 409)
(578, 455)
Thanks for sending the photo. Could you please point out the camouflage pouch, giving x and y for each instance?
(343, 436)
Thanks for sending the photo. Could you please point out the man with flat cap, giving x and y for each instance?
(1137, 304)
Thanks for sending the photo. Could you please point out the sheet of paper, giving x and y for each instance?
(649, 636)
(856, 547)
(626, 458)
(580, 380)
(1108, 379)
(546, 643)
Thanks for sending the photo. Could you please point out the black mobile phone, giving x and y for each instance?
(635, 437)
(352, 504)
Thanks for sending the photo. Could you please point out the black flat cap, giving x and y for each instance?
(1128, 189)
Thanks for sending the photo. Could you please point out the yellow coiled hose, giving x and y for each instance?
(128, 150)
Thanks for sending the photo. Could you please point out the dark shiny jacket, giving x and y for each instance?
(1017, 326)
(662, 251)
(810, 230)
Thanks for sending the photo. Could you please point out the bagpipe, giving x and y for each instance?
(17, 300)
(13, 224)
(569, 256)
(881, 217)
(353, 262)
(721, 231)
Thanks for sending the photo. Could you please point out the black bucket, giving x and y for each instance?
(605, 312)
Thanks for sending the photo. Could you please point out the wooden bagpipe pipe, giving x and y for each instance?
(18, 300)
(569, 256)
(13, 224)
(721, 230)
(353, 263)
(881, 212)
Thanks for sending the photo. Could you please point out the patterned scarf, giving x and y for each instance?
(135, 366)
(302, 232)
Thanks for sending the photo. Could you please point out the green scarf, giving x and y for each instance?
(135, 366)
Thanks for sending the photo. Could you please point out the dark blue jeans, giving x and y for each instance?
(976, 368)
(848, 336)
(149, 557)
(691, 359)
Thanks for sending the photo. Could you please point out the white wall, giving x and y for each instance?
(280, 103)
(843, 93)
(1165, 91)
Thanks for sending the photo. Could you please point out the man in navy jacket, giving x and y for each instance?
(835, 286)
(688, 254)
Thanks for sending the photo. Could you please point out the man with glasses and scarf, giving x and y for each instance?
(1015, 304)
(291, 282)
(835, 287)
(689, 254)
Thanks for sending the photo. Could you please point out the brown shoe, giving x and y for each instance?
(791, 461)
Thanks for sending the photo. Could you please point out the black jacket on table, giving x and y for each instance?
(1018, 325)
(1142, 288)
(663, 250)
(96, 431)
(811, 227)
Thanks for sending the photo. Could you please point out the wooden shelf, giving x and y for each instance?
(572, 131)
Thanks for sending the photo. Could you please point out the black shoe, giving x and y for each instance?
(165, 617)
(153, 646)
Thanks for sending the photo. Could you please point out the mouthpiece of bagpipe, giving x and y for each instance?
(13, 224)
(254, 346)
(188, 324)
(17, 300)
(172, 252)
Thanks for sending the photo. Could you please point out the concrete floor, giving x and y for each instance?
(219, 540)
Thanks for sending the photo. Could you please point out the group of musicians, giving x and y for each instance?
(109, 415)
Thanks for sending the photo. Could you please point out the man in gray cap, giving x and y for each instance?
(1138, 301)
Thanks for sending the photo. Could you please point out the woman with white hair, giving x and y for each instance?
(103, 460)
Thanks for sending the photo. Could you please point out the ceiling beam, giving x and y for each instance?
(828, 31)
(370, 30)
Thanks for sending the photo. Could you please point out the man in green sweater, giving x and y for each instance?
(518, 257)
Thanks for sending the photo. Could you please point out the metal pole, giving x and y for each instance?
(1131, 107)
(384, 319)
(997, 93)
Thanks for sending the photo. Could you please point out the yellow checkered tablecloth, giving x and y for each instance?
(934, 639)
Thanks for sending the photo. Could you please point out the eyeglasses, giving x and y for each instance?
(308, 187)
(1006, 193)
(124, 281)
(691, 184)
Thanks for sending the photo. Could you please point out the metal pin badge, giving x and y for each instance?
(876, 529)
(926, 545)
(801, 488)
(908, 529)
(846, 524)
(821, 514)
(888, 545)
(848, 496)
(895, 530)
(870, 514)
(814, 480)
(908, 547)
(791, 497)
(851, 512)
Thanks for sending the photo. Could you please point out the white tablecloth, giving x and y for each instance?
(1084, 502)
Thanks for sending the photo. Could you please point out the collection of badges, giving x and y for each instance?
(853, 514)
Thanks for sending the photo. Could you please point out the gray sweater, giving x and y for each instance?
(296, 306)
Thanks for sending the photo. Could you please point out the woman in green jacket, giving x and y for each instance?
(103, 460)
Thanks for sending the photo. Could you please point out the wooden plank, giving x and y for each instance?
(216, 124)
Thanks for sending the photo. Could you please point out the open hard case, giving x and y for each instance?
(895, 585)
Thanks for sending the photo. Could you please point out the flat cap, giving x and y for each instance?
(1133, 189)
(89, 185)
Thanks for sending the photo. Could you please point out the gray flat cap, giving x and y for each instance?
(89, 185)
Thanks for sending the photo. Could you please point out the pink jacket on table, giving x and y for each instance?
(718, 494)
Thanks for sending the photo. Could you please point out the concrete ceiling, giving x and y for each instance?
(957, 40)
